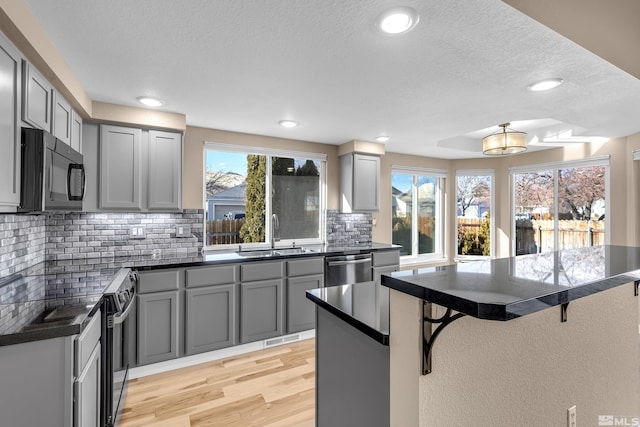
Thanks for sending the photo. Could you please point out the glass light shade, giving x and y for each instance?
(507, 142)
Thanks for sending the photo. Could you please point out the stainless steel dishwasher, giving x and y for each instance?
(347, 269)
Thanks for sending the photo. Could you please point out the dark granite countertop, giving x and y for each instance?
(365, 306)
(507, 288)
(29, 295)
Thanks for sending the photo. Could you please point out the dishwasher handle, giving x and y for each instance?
(348, 262)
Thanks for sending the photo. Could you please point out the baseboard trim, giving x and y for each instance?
(183, 362)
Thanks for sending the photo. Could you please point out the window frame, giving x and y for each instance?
(269, 153)
(492, 226)
(604, 161)
(438, 254)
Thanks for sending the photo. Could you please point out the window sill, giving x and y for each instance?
(409, 264)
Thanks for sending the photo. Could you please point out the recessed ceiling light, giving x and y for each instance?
(382, 138)
(288, 123)
(398, 20)
(150, 102)
(545, 85)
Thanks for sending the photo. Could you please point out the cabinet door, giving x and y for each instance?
(379, 271)
(158, 326)
(87, 393)
(76, 131)
(301, 313)
(261, 306)
(165, 170)
(61, 124)
(120, 157)
(366, 183)
(36, 102)
(9, 123)
(210, 318)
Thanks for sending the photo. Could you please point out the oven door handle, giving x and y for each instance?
(355, 261)
(121, 317)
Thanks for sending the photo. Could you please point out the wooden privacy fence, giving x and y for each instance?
(537, 235)
(224, 231)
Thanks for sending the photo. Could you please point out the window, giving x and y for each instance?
(560, 206)
(474, 199)
(255, 196)
(417, 217)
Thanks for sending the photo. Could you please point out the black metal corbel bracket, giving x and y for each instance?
(636, 291)
(563, 312)
(429, 334)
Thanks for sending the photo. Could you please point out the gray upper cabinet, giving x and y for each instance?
(76, 131)
(62, 119)
(10, 100)
(36, 104)
(138, 170)
(165, 170)
(120, 155)
(359, 183)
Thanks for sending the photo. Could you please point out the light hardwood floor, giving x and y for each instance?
(274, 387)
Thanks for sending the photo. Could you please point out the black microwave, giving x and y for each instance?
(52, 174)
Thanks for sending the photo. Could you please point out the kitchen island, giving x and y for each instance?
(519, 340)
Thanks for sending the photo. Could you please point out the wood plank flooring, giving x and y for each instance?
(274, 387)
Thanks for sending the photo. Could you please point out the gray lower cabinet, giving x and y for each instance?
(384, 262)
(211, 314)
(302, 275)
(10, 63)
(261, 309)
(158, 326)
(87, 392)
(301, 314)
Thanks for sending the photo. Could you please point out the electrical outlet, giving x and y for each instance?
(137, 232)
(183, 230)
(572, 417)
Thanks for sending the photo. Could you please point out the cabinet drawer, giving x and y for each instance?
(261, 271)
(386, 258)
(161, 280)
(205, 276)
(305, 267)
(86, 342)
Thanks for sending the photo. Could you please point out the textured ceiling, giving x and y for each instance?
(244, 65)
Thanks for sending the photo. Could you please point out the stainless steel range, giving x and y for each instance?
(118, 343)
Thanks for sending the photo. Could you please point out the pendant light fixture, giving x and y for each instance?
(508, 141)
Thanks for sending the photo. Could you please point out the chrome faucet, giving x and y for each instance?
(275, 229)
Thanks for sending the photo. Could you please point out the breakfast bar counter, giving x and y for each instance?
(517, 341)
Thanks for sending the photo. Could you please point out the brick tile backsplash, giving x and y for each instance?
(22, 242)
(348, 229)
(27, 240)
(94, 235)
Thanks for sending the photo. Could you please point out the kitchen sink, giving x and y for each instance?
(257, 253)
(291, 251)
(273, 252)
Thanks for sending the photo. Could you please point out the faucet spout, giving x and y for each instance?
(275, 230)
